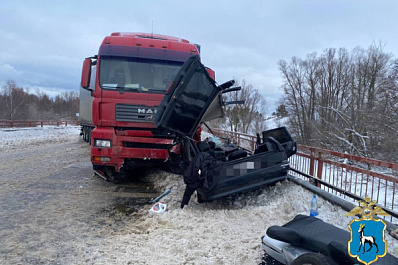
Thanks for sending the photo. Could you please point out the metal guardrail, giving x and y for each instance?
(245, 140)
(21, 124)
(348, 176)
(344, 173)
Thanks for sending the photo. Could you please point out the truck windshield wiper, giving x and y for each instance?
(157, 89)
(123, 87)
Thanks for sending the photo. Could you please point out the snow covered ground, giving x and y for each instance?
(23, 137)
(227, 231)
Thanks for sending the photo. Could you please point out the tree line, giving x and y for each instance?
(248, 117)
(344, 101)
(18, 104)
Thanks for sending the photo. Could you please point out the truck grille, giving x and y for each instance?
(135, 113)
(146, 145)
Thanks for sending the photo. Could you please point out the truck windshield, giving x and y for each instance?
(137, 74)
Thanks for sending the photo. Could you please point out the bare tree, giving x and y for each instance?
(296, 97)
(248, 116)
(18, 104)
(342, 100)
(14, 99)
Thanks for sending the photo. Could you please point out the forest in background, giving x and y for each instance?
(17, 103)
(344, 101)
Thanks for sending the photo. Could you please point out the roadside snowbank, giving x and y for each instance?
(227, 231)
(16, 137)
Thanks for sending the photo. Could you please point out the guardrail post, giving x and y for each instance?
(57, 123)
(312, 163)
(41, 124)
(66, 123)
(11, 124)
(320, 168)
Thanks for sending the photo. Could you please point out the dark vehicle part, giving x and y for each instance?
(232, 89)
(307, 234)
(283, 136)
(185, 105)
(233, 102)
(227, 84)
(313, 259)
(234, 169)
(202, 165)
(244, 171)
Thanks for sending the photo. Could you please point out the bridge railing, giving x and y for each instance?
(21, 124)
(348, 176)
(244, 140)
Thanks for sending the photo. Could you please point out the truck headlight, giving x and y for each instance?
(102, 143)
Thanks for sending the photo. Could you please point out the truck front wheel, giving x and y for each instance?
(110, 174)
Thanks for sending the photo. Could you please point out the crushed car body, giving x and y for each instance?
(194, 97)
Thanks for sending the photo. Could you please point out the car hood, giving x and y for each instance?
(192, 97)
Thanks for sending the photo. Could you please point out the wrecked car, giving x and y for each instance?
(193, 98)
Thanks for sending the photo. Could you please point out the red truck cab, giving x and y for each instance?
(121, 89)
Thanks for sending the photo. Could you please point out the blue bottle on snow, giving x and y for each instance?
(314, 207)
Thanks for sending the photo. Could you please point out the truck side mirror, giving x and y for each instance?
(86, 73)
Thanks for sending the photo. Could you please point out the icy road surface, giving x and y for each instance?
(54, 211)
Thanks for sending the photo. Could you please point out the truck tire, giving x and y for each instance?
(313, 259)
(84, 133)
(115, 178)
(89, 135)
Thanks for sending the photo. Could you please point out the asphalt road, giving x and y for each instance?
(53, 210)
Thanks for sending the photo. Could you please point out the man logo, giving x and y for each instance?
(147, 111)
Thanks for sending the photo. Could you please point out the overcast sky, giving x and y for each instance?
(43, 43)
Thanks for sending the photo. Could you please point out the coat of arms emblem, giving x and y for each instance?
(367, 241)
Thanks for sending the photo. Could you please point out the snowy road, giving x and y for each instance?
(54, 211)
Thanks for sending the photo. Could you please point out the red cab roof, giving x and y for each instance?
(148, 40)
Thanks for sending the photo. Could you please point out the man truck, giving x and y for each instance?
(121, 89)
